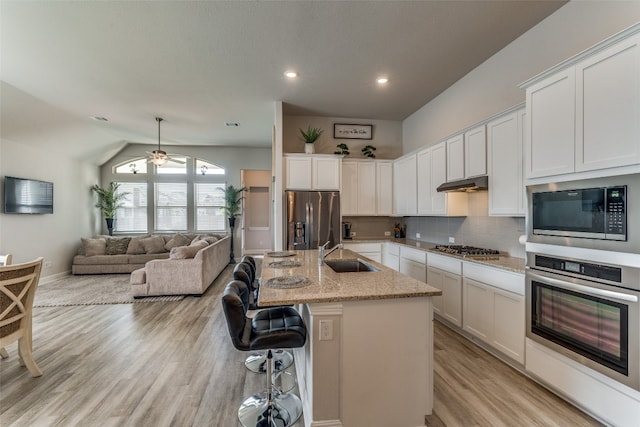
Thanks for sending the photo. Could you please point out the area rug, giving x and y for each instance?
(91, 290)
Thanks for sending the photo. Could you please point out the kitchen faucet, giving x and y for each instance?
(322, 254)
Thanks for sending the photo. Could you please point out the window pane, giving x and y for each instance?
(171, 206)
(132, 216)
(177, 165)
(206, 168)
(209, 198)
(132, 166)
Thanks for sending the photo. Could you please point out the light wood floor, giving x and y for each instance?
(172, 364)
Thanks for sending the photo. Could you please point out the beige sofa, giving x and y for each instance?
(182, 276)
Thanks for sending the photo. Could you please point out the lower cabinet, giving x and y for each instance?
(493, 308)
(444, 273)
(372, 251)
(391, 256)
(413, 263)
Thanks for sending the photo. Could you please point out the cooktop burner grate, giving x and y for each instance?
(464, 250)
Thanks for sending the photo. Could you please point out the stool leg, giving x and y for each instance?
(257, 362)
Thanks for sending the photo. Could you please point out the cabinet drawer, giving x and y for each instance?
(363, 247)
(498, 278)
(413, 254)
(445, 263)
(392, 248)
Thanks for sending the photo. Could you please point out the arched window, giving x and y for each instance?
(134, 166)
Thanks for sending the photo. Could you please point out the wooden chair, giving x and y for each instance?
(5, 260)
(18, 284)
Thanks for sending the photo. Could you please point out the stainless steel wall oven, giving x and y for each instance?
(588, 312)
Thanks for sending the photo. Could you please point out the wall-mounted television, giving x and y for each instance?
(27, 196)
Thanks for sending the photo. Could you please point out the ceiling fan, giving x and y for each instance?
(159, 157)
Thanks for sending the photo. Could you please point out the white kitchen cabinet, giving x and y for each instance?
(413, 263)
(494, 309)
(391, 255)
(372, 251)
(405, 185)
(313, 172)
(506, 165)
(455, 158)
(384, 187)
(432, 171)
(444, 273)
(361, 188)
(582, 115)
(475, 152)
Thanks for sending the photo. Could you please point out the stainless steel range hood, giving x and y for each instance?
(478, 183)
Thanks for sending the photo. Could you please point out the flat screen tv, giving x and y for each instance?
(27, 196)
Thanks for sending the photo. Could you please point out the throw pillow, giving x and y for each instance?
(177, 240)
(94, 247)
(184, 252)
(153, 245)
(117, 245)
(135, 246)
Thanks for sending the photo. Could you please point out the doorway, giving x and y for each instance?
(257, 219)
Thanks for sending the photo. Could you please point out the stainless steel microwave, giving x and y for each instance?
(595, 213)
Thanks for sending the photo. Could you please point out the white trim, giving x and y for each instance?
(326, 309)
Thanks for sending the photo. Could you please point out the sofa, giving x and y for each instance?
(122, 254)
(189, 270)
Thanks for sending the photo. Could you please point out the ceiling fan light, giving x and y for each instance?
(159, 161)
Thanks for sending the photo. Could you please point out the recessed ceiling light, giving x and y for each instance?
(291, 74)
(100, 119)
(232, 124)
(382, 80)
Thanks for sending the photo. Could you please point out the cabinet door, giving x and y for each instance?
(608, 108)
(452, 303)
(509, 324)
(366, 188)
(349, 192)
(298, 173)
(550, 144)
(413, 269)
(435, 278)
(384, 188)
(478, 309)
(424, 182)
(475, 152)
(326, 172)
(438, 176)
(506, 185)
(455, 158)
(405, 184)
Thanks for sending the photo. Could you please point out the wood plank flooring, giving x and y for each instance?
(173, 364)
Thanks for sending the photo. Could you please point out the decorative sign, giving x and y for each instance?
(348, 131)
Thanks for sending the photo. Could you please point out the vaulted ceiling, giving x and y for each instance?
(200, 64)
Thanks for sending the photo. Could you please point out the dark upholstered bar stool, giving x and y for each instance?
(257, 361)
(271, 328)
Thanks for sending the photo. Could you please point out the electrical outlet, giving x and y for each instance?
(387, 233)
(452, 239)
(353, 234)
(417, 235)
(326, 330)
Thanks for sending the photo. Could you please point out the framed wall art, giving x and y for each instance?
(350, 131)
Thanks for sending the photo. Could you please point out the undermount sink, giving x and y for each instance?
(349, 266)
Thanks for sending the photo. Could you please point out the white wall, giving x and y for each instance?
(55, 237)
(387, 136)
(493, 86)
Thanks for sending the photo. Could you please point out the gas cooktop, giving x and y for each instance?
(467, 251)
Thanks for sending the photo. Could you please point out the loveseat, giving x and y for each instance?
(189, 270)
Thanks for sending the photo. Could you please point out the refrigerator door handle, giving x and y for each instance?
(309, 224)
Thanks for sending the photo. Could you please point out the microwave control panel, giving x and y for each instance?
(616, 220)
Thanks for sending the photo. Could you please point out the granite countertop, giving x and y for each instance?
(504, 261)
(320, 284)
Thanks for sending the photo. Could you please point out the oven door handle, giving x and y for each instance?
(584, 289)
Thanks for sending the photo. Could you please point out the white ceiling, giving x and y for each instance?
(199, 64)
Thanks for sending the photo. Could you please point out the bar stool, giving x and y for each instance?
(257, 361)
(271, 328)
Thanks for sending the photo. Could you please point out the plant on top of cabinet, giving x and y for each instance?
(368, 151)
(342, 149)
(310, 136)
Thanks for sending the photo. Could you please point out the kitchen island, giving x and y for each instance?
(368, 360)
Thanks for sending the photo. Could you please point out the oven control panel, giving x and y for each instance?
(586, 269)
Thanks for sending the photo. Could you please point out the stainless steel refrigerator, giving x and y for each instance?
(313, 218)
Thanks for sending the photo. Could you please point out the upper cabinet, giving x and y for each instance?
(505, 136)
(583, 115)
(366, 187)
(432, 171)
(405, 185)
(313, 172)
(467, 154)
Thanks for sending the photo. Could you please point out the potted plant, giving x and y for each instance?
(310, 136)
(109, 201)
(343, 149)
(232, 203)
(368, 151)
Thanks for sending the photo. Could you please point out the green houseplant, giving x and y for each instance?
(109, 201)
(310, 136)
(232, 204)
(368, 151)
